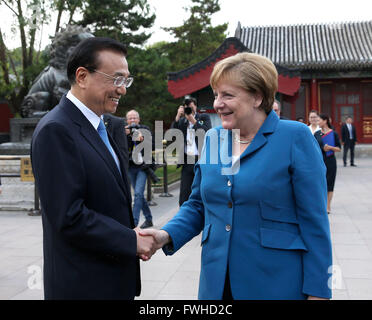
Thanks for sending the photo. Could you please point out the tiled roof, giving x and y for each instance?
(198, 75)
(340, 46)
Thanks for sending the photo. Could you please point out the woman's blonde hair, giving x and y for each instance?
(251, 72)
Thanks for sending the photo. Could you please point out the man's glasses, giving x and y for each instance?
(118, 81)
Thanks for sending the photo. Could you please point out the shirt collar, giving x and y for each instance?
(88, 113)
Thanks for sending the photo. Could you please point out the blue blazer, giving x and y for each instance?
(89, 245)
(264, 218)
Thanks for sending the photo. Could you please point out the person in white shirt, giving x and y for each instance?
(189, 121)
(314, 121)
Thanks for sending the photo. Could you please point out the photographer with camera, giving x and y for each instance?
(189, 121)
(138, 169)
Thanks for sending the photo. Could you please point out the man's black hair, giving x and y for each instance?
(188, 100)
(85, 54)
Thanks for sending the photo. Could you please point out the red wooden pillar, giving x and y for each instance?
(314, 95)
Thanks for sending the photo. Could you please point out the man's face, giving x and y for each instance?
(276, 109)
(132, 118)
(101, 95)
(349, 120)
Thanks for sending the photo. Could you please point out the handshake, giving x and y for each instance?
(149, 241)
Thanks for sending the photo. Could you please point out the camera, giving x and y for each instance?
(188, 110)
(133, 128)
(151, 174)
(186, 104)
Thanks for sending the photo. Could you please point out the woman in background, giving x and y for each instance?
(329, 142)
(314, 121)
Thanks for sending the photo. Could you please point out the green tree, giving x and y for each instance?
(122, 20)
(149, 94)
(196, 39)
(29, 16)
(69, 6)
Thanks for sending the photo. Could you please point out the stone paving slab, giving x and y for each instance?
(176, 277)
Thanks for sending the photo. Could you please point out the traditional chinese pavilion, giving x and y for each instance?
(327, 67)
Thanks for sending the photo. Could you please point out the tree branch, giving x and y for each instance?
(15, 12)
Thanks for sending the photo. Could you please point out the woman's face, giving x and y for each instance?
(235, 106)
(313, 118)
(322, 123)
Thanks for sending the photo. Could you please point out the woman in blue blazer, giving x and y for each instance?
(259, 196)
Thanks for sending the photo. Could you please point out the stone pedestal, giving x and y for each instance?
(21, 130)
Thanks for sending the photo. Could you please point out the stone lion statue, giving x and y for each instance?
(52, 83)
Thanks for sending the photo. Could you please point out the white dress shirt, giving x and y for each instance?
(349, 126)
(316, 129)
(191, 148)
(91, 117)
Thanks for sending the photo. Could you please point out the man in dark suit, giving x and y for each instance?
(90, 247)
(189, 121)
(116, 128)
(349, 139)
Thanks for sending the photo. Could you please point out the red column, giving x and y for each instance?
(314, 95)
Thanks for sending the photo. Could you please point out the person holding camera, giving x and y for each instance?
(189, 121)
(138, 169)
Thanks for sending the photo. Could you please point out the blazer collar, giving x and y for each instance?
(260, 138)
(258, 142)
(91, 135)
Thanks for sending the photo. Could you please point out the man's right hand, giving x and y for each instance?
(180, 113)
(146, 245)
(161, 237)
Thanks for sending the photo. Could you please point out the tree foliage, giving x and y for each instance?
(123, 20)
(196, 39)
(29, 16)
(149, 94)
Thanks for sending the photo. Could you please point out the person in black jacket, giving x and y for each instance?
(138, 168)
(349, 138)
(189, 121)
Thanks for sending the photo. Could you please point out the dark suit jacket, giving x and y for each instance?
(116, 127)
(203, 121)
(89, 244)
(345, 134)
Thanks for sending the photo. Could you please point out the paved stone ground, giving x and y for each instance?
(177, 277)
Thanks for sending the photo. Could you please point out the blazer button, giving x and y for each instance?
(228, 228)
(230, 205)
(228, 183)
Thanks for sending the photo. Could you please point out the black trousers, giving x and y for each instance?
(227, 295)
(187, 177)
(349, 145)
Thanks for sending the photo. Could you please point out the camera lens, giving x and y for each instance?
(188, 110)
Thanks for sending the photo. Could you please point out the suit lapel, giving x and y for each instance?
(122, 168)
(260, 138)
(225, 156)
(93, 138)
